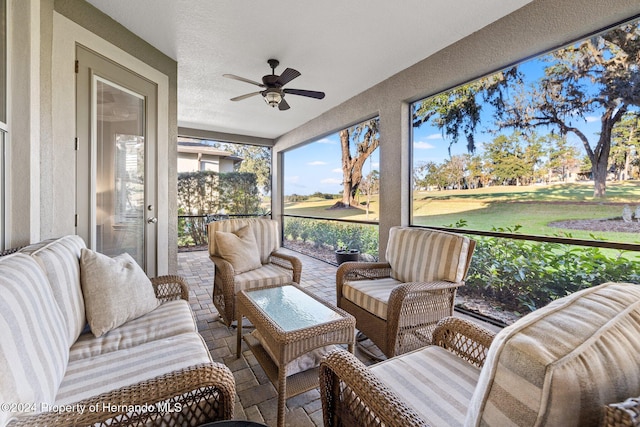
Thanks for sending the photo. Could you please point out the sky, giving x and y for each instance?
(317, 167)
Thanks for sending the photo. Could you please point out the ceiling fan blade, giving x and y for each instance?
(287, 75)
(248, 95)
(242, 79)
(284, 105)
(308, 93)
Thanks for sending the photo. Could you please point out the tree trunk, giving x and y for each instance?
(352, 166)
(600, 158)
(599, 172)
(346, 167)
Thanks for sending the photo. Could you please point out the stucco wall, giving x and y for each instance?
(533, 29)
(42, 120)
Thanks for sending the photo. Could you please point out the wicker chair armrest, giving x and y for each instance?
(179, 395)
(289, 262)
(355, 270)
(223, 267)
(421, 289)
(466, 339)
(410, 297)
(353, 396)
(170, 287)
(622, 414)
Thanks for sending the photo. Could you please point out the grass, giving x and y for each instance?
(318, 207)
(532, 207)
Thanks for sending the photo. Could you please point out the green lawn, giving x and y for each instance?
(532, 207)
(317, 207)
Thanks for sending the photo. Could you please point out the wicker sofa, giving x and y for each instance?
(154, 369)
(566, 364)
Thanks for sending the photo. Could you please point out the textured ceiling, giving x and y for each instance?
(341, 48)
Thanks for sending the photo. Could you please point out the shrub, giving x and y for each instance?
(332, 234)
(524, 275)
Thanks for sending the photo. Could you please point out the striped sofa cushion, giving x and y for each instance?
(60, 260)
(372, 295)
(94, 375)
(436, 383)
(420, 255)
(175, 317)
(265, 231)
(560, 364)
(33, 347)
(267, 275)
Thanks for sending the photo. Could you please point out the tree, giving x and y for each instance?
(506, 156)
(454, 171)
(427, 175)
(596, 76)
(365, 139)
(369, 186)
(625, 144)
(256, 160)
(477, 169)
(561, 157)
(457, 111)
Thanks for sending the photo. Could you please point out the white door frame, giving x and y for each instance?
(66, 35)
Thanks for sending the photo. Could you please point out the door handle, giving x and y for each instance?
(152, 220)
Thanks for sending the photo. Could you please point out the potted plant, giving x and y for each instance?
(344, 253)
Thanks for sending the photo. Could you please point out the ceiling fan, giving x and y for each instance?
(274, 92)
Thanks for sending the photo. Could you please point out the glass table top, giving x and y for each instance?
(292, 309)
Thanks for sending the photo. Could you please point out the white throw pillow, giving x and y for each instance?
(115, 290)
(239, 248)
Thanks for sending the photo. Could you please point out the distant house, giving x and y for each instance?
(193, 156)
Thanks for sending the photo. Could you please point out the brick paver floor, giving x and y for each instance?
(256, 397)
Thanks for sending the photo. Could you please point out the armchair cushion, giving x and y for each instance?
(267, 275)
(239, 248)
(371, 295)
(437, 384)
(443, 255)
(116, 290)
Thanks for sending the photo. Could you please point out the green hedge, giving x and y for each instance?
(523, 275)
(333, 234)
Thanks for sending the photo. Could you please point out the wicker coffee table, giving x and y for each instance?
(292, 322)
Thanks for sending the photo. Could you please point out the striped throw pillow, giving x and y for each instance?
(60, 259)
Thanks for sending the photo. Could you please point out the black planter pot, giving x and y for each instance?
(347, 255)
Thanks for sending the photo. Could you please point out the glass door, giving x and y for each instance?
(120, 135)
(116, 163)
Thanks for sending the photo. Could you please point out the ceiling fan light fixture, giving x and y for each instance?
(273, 99)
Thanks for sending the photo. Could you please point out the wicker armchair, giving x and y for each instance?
(566, 364)
(352, 395)
(398, 303)
(277, 268)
